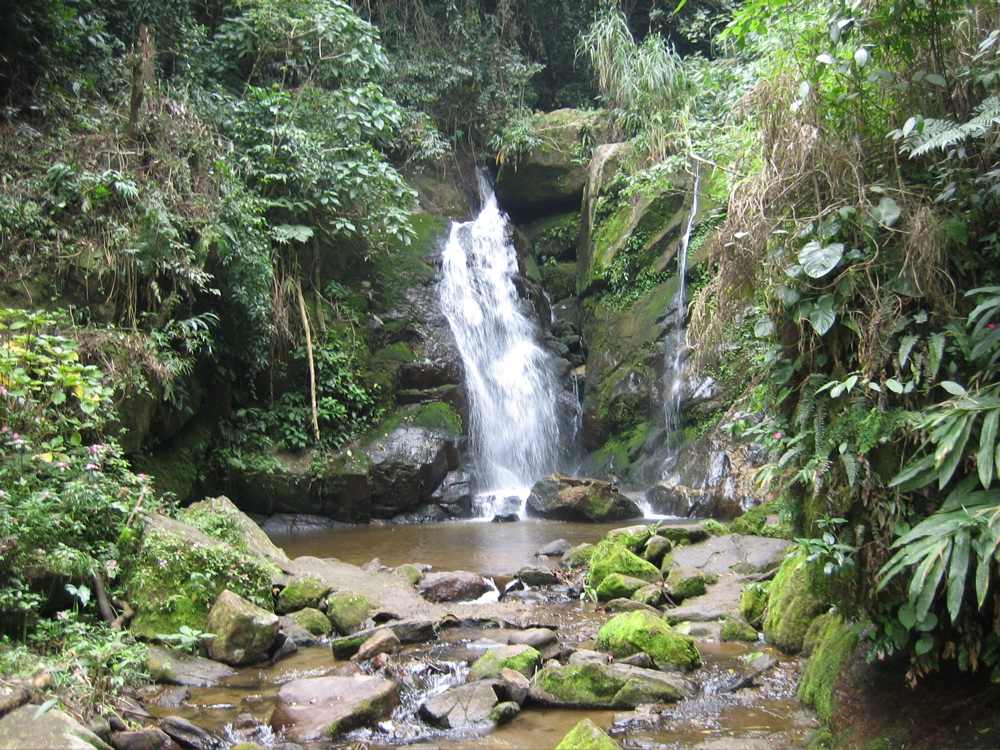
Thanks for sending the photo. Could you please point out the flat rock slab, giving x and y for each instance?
(460, 707)
(592, 685)
(321, 707)
(53, 730)
(721, 600)
(176, 668)
(732, 553)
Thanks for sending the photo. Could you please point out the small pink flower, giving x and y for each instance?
(991, 326)
(91, 467)
(778, 435)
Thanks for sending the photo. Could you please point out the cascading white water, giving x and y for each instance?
(510, 380)
(673, 371)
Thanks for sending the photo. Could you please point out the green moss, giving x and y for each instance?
(633, 538)
(792, 605)
(581, 685)
(587, 736)
(176, 468)
(433, 416)
(347, 611)
(715, 528)
(301, 592)
(174, 582)
(736, 630)
(753, 603)
(679, 535)
(559, 279)
(754, 522)
(651, 594)
(684, 584)
(410, 572)
(555, 236)
(406, 265)
(313, 621)
(520, 658)
(835, 643)
(610, 557)
(579, 556)
(618, 586)
(641, 631)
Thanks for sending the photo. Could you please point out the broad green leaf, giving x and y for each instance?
(936, 80)
(957, 570)
(954, 388)
(787, 295)
(919, 471)
(822, 316)
(905, 347)
(987, 447)
(907, 618)
(936, 355)
(924, 644)
(955, 456)
(887, 211)
(894, 385)
(818, 260)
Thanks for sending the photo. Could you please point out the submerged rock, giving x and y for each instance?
(633, 632)
(323, 707)
(567, 499)
(606, 686)
(452, 586)
(587, 736)
(244, 633)
(460, 707)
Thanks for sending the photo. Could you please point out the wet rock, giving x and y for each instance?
(382, 642)
(177, 668)
(52, 730)
(513, 685)
(568, 499)
(556, 548)
(633, 632)
(733, 553)
(297, 634)
(414, 630)
(656, 548)
(520, 658)
(537, 575)
(651, 594)
(737, 630)
(409, 571)
(321, 707)
(669, 500)
(629, 605)
(610, 557)
(578, 556)
(143, 739)
(586, 656)
(187, 735)
(606, 686)
(347, 611)
(12, 697)
(312, 621)
(452, 586)
(460, 707)
(244, 633)
(504, 712)
(587, 736)
(164, 697)
(454, 496)
(640, 659)
(300, 593)
(618, 586)
(535, 637)
(508, 511)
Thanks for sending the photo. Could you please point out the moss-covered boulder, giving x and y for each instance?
(593, 685)
(753, 603)
(165, 594)
(835, 642)
(587, 736)
(792, 605)
(685, 583)
(410, 572)
(737, 630)
(565, 498)
(313, 621)
(521, 658)
(651, 595)
(219, 517)
(300, 593)
(243, 633)
(551, 176)
(618, 586)
(578, 556)
(656, 548)
(642, 632)
(347, 611)
(610, 557)
(634, 538)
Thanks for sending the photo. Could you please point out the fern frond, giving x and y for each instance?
(941, 135)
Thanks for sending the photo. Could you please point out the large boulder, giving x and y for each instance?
(452, 586)
(642, 632)
(24, 729)
(347, 611)
(732, 553)
(792, 605)
(300, 593)
(460, 707)
(611, 557)
(593, 685)
(520, 658)
(618, 586)
(178, 668)
(550, 178)
(322, 707)
(243, 632)
(586, 735)
(567, 499)
(221, 512)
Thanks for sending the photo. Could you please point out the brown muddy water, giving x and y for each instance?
(490, 548)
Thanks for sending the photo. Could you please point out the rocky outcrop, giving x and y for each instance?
(551, 177)
(323, 707)
(568, 499)
(408, 464)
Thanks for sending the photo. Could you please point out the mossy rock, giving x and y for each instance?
(578, 556)
(555, 237)
(219, 517)
(242, 632)
(410, 572)
(685, 584)
(300, 593)
(176, 467)
(679, 535)
(755, 522)
(792, 605)
(611, 557)
(559, 279)
(521, 658)
(753, 603)
(593, 685)
(633, 538)
(651, 594)
(640, 631)
(618, 586)
(587, 736)
(347, 611)
(313, 621)
(656, 548)
(835, 642)
(737, 630)
(165, 594)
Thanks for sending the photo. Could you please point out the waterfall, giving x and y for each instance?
(512, 387)
(673, 371)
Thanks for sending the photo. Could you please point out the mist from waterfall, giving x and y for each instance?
(513, 391)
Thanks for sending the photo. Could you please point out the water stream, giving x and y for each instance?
(513, 390)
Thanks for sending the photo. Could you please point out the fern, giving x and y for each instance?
(942, 135)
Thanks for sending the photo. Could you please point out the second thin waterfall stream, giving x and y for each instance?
(512, 387)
